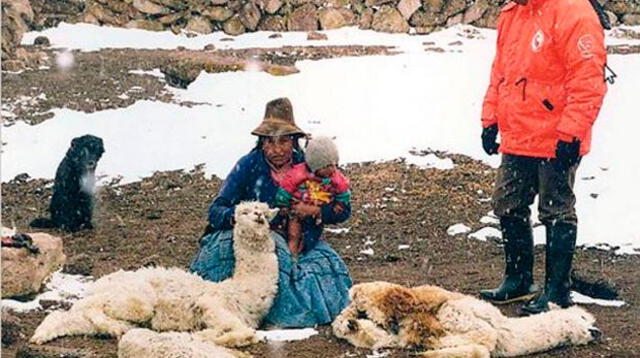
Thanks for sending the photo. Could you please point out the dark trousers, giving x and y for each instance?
(521, 178)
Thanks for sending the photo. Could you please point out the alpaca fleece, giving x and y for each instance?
(452, 325)
(225, 313)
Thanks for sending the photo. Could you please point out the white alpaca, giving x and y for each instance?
(140, 343)
(453, 325)
(225, 313)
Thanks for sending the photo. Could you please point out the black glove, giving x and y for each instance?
(568, 153)
(489, 135)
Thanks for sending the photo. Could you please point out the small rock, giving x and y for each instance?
(80, 264)
(55, 305)
(315, 36)
(10, 328)
(209, 47)
(275, 36)
(46, 351)
(42, 41)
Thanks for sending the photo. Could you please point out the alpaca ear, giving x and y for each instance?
(272, 213)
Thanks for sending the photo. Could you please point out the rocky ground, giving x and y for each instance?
(157, 221)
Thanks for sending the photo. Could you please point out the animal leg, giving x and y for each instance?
(465, 351)
(224, 327)
(60, 324)
(106, 325)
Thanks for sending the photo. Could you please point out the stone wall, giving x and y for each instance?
(235, 17)
(17, 18)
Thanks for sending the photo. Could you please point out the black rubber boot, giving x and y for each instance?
(518, 252)
(561, 244)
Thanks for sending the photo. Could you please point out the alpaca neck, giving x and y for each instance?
(256, 264)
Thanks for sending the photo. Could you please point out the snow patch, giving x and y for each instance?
(378, 354)
(490, 220)
(368, 251)
(583, 299)
(485, 233)
(342, 230)
(155, 72)
(430, 161)
(458, 229)
(61, 288)
(286, 334)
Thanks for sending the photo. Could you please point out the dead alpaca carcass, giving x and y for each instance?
(448, 324)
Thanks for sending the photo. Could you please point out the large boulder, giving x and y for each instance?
(218, 13)
(199, 24)
(454, 7)
(623, 7)
(475, 11)
(250, 16)
(233, 26)
(145, 25)
(49, 13)
(422, 18)
(273, 23)
(303, 18)
(333, 18)
(631, 19)
(23, 272)
(389, 19)
(104, 15)
(269, 6)
(408, 7)
(150, 7)
(16, 17)
(366, 18)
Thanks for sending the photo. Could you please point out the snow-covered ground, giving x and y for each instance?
(61, 287)
(378, 107)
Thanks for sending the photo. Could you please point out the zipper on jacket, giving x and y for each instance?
(611, 78)
(523, 80)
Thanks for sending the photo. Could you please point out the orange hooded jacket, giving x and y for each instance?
(547, 79)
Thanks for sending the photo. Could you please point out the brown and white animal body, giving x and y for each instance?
(225, 313)
(453, 325)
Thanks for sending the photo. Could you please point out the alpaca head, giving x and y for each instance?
(252, 224)
(583, 326)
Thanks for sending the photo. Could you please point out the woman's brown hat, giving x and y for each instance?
(278, 120)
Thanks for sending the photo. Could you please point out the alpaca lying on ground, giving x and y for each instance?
(224, 313)
(452, 325)
(71, 206)
(141, 342)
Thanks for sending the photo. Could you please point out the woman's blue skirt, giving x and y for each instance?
(312, 290)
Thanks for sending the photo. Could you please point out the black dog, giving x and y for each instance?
(72, 202)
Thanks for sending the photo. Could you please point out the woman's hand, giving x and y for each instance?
(304, 210)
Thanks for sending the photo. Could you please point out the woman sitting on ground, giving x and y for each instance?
(312, 289)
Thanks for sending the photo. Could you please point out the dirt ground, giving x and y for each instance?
(158, 220)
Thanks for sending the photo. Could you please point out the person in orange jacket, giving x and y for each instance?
(545, 92)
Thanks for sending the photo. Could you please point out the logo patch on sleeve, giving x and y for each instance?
(585, 45)
(537, 41)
